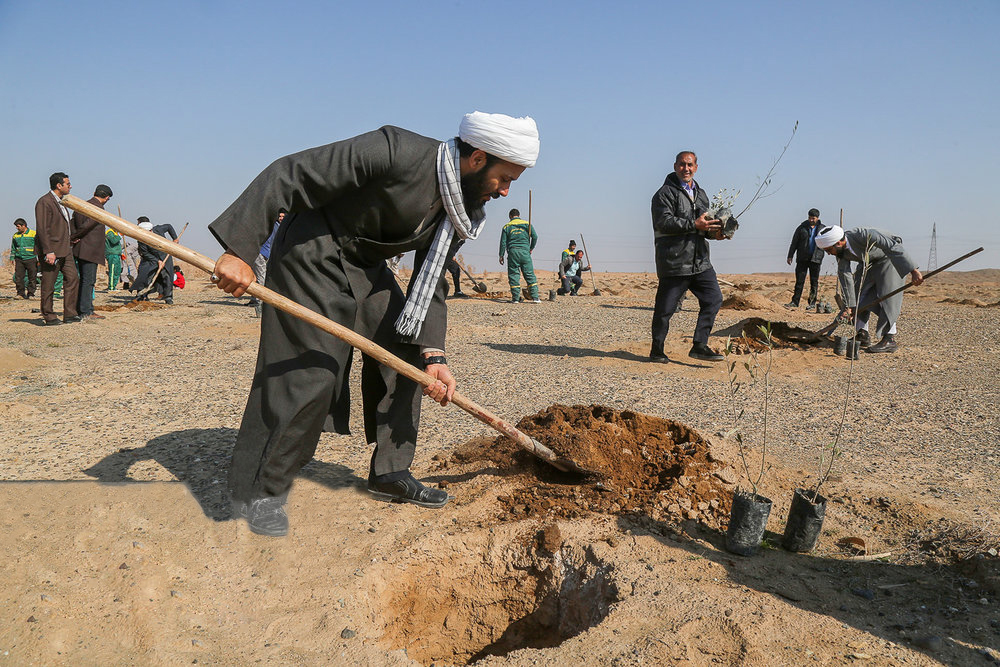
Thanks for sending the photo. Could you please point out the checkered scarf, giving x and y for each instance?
(456, 221)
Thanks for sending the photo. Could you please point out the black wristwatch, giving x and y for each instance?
(437, 359)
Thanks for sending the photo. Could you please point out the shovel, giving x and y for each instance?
(593, 281)
(159, 269)
(868, 306)
(477, 285)
(366, 346)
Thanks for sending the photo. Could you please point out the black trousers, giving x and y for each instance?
(456, 274)
(704, 286)
(164, 282)
(801, 268)
(25, 276)
(300, 386)
(88, 279)
(71, 287)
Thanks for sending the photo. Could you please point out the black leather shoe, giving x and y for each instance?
(864, 338)
(75, 318)
(52, 323)
(887, 344)
(704, 352)
(408, 490)
(658, 357)
(266, 516)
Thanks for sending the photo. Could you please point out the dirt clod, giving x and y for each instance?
(645, 464)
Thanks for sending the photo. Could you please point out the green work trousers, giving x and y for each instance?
(114, 270)
(519, 262)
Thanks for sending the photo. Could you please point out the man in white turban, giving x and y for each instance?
(352, 205)
(882, 266)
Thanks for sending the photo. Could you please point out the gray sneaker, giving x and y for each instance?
(266, 516)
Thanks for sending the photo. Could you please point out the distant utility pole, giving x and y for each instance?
(932, 256)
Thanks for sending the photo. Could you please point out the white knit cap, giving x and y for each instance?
(146, 225)
(829, 236)
(511, 139)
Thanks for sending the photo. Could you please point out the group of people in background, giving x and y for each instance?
(871, 264)
(62, 254)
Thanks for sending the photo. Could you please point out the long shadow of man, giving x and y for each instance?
(199, 458)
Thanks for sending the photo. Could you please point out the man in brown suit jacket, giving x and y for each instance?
(87, 241)
(52, 230)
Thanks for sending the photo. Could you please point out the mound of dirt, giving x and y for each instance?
(750, 302)
(747, 336)
(970, 302)
(655, 466)
(140, 306)
(489, 295)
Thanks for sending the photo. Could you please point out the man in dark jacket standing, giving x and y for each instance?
(52, 232)
(808, 258)
(681, 229)
(88, 249)
(351, 206)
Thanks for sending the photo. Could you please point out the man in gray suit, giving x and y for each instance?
(52, 232)
(88, 248)
(887, 265)
(352, 205)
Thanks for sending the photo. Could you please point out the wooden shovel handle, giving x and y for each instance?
(280, 302)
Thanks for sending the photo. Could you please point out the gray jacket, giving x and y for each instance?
(888, 265)
(681, 250)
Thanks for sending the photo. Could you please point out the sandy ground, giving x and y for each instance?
(118, 546)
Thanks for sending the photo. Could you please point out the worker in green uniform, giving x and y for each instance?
(113, 249)
(518, 239)
(22, 252)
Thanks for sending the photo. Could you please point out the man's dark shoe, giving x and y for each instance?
(887, 344)
(266, 516)
(408, 490)
(460, 295)
(864, 338)
(704, 352)
(75, 318)
(657, 356)
(52, 323)
(791, 305)
(169, 301)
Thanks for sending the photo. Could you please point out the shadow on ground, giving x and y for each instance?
(932, 608)
(566, 351)
(199, 458)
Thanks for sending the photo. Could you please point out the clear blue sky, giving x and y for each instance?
(178, 105)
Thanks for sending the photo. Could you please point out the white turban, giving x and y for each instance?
(829, 236)
(511, 139)
(148, 226)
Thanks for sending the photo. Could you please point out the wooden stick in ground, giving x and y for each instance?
(529, 222)
(366, 346)
(593, 280)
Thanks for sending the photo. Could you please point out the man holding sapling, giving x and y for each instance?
(681, 229)
(888, 265)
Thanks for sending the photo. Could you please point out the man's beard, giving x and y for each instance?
(473, 191)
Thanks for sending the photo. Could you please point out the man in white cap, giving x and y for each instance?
(352, 205)
(152, 259)
(888, 264)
